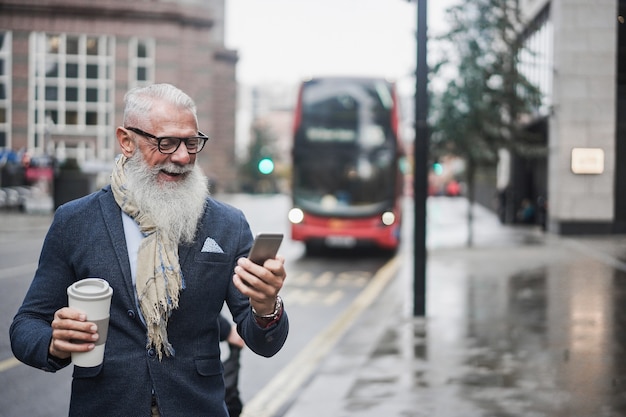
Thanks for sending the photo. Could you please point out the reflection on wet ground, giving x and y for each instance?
(522, 324)
(528, 331)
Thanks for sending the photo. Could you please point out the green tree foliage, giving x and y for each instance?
(485, 101)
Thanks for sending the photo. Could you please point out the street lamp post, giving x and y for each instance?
(420, 163)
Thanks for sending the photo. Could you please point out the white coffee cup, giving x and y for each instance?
(92, 296)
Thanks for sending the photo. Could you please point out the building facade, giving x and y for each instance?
(578, 60)
(65, 66)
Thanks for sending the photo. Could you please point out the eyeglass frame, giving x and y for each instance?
(201, 137)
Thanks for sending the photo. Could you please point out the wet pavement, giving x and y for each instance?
(520, 324)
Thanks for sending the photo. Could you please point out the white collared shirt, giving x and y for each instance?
(133, 240)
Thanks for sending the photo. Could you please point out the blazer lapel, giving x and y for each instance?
(112, 215)
(185, 250)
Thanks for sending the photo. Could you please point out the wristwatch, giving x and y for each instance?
(278, 306)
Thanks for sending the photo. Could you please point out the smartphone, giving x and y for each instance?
(265, 246)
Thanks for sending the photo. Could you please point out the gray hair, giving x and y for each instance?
(138, 101)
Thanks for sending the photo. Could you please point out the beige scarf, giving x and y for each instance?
(159, 278)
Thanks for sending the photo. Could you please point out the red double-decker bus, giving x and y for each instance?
(347, 181)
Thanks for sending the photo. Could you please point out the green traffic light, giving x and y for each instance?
(266, 166)
(437, 168)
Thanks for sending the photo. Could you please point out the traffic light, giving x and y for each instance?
(437, 168)
(266, 166)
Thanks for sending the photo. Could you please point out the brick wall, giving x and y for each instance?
(186, 56)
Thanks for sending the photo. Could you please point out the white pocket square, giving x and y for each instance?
(210, 245)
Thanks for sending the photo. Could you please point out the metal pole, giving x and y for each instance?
(420, 161)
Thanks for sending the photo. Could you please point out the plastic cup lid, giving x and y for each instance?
(90, 289)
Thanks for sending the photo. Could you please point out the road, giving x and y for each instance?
(318, 293)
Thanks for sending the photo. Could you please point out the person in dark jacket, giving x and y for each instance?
(172, 254)
(228, 333)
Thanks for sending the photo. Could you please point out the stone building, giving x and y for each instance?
(578, 60)
(65, 66)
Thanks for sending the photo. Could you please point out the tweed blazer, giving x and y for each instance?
(86, 239)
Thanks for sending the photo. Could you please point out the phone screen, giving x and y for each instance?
(265, 246)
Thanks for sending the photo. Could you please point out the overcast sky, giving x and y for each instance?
(289, 40)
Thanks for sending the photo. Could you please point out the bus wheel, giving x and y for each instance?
(313, 248)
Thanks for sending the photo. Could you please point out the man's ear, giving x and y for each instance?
(126, 142)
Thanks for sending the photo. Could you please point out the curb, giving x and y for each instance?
(284, 386)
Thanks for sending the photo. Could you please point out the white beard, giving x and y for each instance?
(176, 207)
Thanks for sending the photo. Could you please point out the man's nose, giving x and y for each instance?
(181, 155)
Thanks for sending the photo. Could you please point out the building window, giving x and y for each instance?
(5, 90)
(72, 88)
(536, 60)
(140, 62)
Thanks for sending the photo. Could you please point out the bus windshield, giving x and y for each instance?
(345, 147)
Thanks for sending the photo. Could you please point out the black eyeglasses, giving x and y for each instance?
(169, 144)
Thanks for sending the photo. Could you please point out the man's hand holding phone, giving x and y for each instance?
(260, 276)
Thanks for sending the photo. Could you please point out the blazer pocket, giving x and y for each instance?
(81, 372)
(209, 367)
(210, 257)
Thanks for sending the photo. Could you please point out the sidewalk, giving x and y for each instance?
(521, 324)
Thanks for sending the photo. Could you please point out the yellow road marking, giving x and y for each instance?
(324, 279)
(7, 364)
(289, 380)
